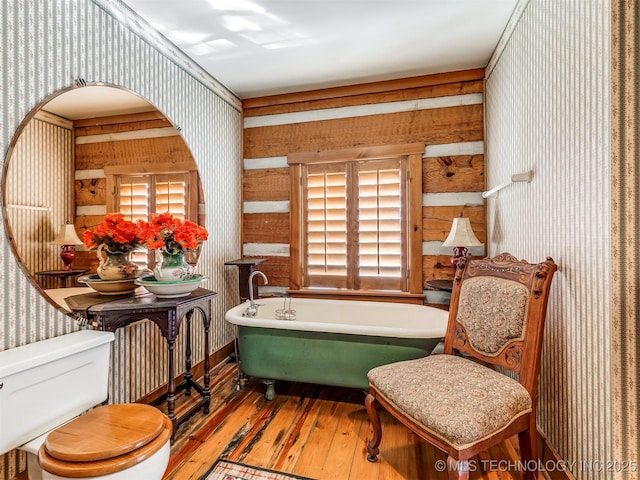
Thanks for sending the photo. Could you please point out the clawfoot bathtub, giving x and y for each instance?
(331, 342)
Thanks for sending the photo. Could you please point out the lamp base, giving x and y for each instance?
(67, 254)
(458, 252)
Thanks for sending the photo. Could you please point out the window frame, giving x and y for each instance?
(411, 154)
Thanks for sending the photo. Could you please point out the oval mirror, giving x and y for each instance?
(83, 152)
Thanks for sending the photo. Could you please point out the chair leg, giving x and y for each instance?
(457, 469)
(529, 453)
(371, 404)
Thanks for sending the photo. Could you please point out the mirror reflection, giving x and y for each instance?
(83, 153)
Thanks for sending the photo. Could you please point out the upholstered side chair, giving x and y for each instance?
(462, 402)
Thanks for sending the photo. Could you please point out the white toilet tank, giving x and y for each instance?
(47, 383)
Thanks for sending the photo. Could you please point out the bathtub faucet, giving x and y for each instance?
(252, 309)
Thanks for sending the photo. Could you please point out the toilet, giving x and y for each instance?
(48, 391)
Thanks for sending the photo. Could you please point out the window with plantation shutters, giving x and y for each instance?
(356, 219)
(140, 195)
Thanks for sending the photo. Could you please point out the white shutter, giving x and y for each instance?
(171, 194)
(326, 206)
(380, 231)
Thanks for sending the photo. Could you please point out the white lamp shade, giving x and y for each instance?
(67, 236)
(461, 234)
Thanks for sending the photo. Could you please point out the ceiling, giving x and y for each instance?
(267, 47)
(96, 101)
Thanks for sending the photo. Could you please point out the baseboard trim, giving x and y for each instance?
(550, 458)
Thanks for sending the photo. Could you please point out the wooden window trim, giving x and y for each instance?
(356, 154)
(413, 153)
(155, 168)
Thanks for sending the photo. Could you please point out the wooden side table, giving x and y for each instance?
(443, 285)
(112, 313)
(246, 266)
(63, 275)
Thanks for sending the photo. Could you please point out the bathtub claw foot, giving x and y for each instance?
(270, 394)
(372, 458)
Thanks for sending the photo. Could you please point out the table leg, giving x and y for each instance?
(188, 376)
(206, 392)
(171, 388)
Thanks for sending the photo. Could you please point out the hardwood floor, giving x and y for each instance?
(309, 430)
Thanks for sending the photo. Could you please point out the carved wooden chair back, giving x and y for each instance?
(497, 314)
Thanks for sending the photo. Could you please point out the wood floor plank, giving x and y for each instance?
(309, 430)
(281, 433)
(343, 445)
(316, 449)
(298, 436)
(360, 467)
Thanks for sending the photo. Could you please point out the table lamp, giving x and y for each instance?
(460, 237)
(67, 239)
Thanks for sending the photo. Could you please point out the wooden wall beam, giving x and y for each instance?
(432, 126)
(437, 221)
(266, 184)
(364, 88)
(448, 174)
(265, 228)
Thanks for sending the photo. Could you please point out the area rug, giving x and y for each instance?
(226, 470)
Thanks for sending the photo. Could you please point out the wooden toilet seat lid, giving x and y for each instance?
(105, 432)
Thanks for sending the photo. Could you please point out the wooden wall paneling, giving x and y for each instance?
(104, 129)
(276, 269)
(194, 194)
(117, 120)
(431, 126)
(86, 259)
(437, 221)
(267, 184)
(111, 193)
(91, 191)
(442, 174)
(141, 151)
(415, 221)
(437, 267)
(346, 92)
(266, 228)
(295, 252)
(84, 222)
(419, 92)
(448, 174)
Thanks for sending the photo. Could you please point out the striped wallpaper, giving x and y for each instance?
(547, 110)
(39, 198)
(44, 46)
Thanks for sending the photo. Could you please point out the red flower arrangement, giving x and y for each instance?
(117, 234)
(164, 231)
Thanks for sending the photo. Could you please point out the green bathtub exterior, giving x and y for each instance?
(323, 358)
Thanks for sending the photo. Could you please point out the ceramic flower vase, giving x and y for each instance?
(115, 265)
(172, 267)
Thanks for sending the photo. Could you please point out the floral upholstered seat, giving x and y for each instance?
(453, 399)
(458, 401)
